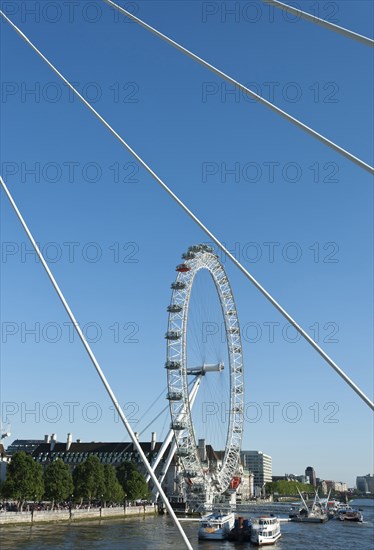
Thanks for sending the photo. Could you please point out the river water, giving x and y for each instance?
(159, 533)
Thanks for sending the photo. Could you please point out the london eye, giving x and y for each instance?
(203, 484)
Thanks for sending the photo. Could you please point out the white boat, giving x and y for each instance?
(265, 530)
(216, 526)
(349, 514)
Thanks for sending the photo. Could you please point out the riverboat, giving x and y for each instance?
(216, 526)
(349, 514)
(265, 530)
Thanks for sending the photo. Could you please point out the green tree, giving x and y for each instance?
(58, 481)
(88, 479)
(124, 471)
(113, 491)
(288, 488)
(133, 482)
(24, 479)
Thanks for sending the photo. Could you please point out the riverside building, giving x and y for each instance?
(260, 464)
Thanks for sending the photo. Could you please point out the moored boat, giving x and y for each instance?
(265, 530)
(310, 517)
(241, 532)
(316, 514)
(216, 526)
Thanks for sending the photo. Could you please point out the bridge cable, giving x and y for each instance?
(248, 91)
(97, 367)
(321, 22)
(236, 262)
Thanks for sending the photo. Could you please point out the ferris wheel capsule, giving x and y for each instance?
(183, 268)
(174, 308)
(188, 255)
(178, 285)
(173, 335)
(174, 395)
(172, 365)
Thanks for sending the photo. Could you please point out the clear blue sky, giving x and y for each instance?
(298, 215)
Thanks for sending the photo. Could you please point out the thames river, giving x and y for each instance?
(159, 533)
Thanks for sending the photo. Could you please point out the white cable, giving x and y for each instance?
(248, 91)
(322, 22)
(97, 367)
(267, 295)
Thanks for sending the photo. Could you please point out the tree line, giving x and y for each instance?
(288, 488)
(27, 480)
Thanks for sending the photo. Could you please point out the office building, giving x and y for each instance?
(311, 474)
(260, 464)
(365, 484)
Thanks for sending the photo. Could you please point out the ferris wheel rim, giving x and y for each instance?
(199, 257)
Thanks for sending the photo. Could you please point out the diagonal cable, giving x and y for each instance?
(322, 22)
(95, 363)
(267, 295)
(246, 90)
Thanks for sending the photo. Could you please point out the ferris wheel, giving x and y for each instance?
(202, 481)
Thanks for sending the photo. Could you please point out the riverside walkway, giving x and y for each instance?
(75, 514)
